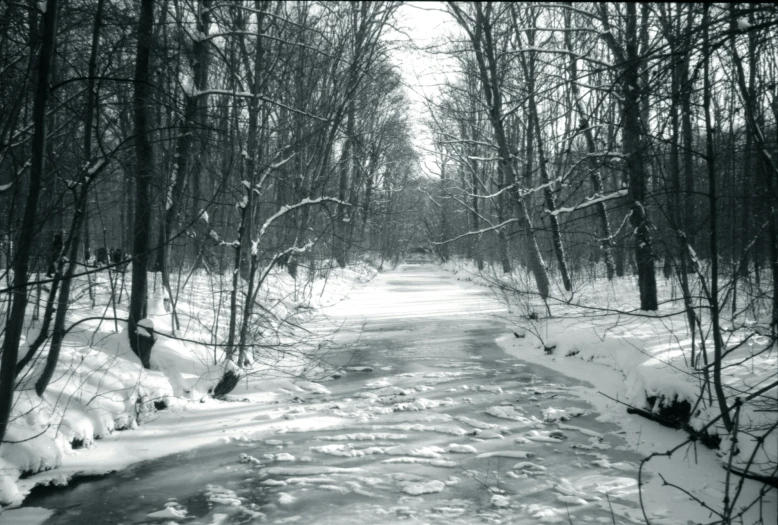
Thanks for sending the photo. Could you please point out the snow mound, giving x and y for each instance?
(461, 449)
(427, 487)
(507, 412)
(306, 471)
(419, 452)
(516, 454)
(170, 513)
(552, 415)
(364, 436)
(500, 501)
(546, 436)
(346, 451)
(494, 389)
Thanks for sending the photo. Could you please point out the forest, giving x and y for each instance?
(192, 192)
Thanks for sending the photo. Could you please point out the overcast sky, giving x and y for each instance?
(421, 27)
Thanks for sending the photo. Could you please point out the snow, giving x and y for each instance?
(507, 412)
(168, 513)
(364, 436)
(347, 451)
(591, 201)
(100, 391)
(494, 389)
(286, 499)
(306, 471)
(8, 490)
(526, 465)
(427, 487)
(461, 449)
(516, 454)
(369, 461)
(641, 361)
(553, 414)
(500, 501)
(546, 436)
(411, 450)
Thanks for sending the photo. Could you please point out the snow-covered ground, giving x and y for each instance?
(429, 420)
(100, 387)
(643, 360)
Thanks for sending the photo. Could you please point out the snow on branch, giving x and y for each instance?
(294, 249)
(522, 192)
(618, 231)
(272, 167)
(271, 37)
(530, 191)
(479, 232)
(246, 94)
(493, 195)
(286, 209)
(484, 159)
(591, 201)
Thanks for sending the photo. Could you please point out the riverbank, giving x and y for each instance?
(104, 411)
(640, 360)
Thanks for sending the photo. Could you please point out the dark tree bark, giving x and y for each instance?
(714, 250)
(144, 165)
(15, 323)
(193, 115)
(66, 269)
(632, 143)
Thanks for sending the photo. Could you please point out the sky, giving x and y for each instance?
(421, 26)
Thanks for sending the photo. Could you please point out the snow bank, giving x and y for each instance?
(643, 361)
(649, 353)
(100, 387)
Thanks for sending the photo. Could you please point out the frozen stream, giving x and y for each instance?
(433, 423)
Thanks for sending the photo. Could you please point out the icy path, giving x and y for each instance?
(431, 423)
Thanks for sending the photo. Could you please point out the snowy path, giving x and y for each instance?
(432, 422)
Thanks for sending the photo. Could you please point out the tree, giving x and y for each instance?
(144, 175)
(15, 322)
(478, 27)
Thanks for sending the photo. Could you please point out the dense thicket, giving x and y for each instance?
(640, 137)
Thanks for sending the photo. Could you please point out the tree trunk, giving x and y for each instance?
(15, 322)
(481, 39)
(340, 227)
(595, 177)
(676, 211)
(633, 152)
(144, 165)
(79, 223)
(714, 251)
(550, 201)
